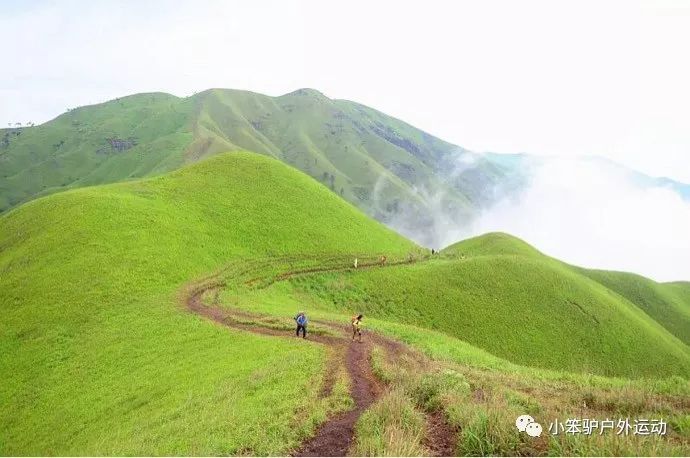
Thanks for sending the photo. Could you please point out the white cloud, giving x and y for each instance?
(588, 215)
(543, 77)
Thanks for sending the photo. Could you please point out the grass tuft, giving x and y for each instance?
(391, 427)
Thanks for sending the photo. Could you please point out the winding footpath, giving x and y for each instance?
(336, 435)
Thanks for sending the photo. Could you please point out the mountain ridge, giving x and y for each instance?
(377, 162)
(394, 172)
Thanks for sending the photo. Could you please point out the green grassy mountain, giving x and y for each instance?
(98, 356)
(380, 164)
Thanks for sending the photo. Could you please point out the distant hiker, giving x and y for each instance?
(382, 260)
(432, 252)
(301, 320)
(355, 263)
(357, 327)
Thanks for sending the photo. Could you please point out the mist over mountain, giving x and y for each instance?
(589, 211)
(596, 213)
(348, 147)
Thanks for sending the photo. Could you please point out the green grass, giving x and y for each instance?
(391, 427)
(667, 303)
(97, 354)
(72, 150)
(483, 405)
(497, 293)
(283, 299)
(494, 244)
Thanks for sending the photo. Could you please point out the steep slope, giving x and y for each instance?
(384, 166)
(96, 355)
(500, 294)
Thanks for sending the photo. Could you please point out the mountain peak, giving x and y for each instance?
(493, 243)
(306, 92)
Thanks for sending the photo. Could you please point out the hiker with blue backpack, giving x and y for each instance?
(301, 320)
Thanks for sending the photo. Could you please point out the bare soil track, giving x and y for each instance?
(336, 435)
(440, 438)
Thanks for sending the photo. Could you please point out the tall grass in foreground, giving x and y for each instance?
(482, 405)
(481, 395)
(391, 427)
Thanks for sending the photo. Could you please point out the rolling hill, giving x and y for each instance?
(500, 294)
(382, 165)
(98, 356)
(667, 303)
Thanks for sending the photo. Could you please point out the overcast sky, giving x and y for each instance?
(609, 78)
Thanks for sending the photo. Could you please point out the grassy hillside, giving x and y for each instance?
(479, 393)
(73, 150)
(679, 287)
(667, 303)
(500, 294)
(96, 354)
(382, 165)
(494, 244)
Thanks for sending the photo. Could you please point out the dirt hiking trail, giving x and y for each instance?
(336, 435)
